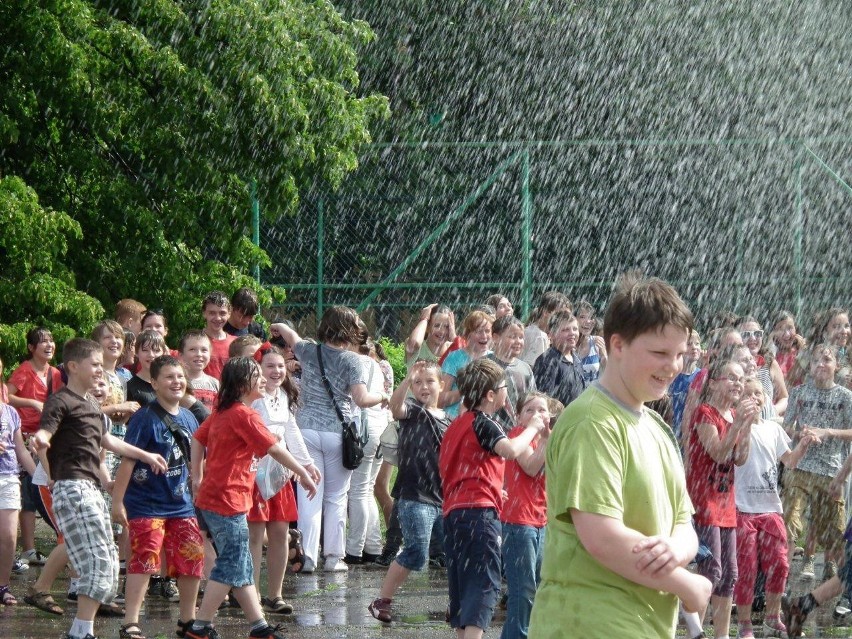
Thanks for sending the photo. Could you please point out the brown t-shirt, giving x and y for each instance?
(77, 426)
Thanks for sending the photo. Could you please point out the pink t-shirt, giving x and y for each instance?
(31, 386)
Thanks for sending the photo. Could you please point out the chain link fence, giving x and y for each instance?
(743, 225)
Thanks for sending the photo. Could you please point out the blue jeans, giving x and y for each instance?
(234, 565)
(522, 548)
(418, 521)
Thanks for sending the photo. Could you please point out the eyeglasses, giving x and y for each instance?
(730, 378)
(500, 388)
(747, 335)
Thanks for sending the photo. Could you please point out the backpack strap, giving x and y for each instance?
(179, 435)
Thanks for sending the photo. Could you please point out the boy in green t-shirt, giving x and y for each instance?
(618, 523)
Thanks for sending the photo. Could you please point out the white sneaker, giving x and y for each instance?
(808, 568)
(335, 564)
(20, 567)
(33, 557)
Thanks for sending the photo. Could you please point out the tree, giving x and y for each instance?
(146, 123)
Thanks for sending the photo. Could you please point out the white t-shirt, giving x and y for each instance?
(756, 481)
(536, 342)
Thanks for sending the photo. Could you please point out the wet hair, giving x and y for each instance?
(821, 349)
(440, 309)
(713, 371)
(502, 323)
(642, 304)
(128, 310)
(34, 337)
(584, 305)
(236, 347)
(487, 309)
(79, 348)
(190, 335)
(107, 327)
(151, 339)
(476, 379)
(821, 322)
(718, 336)
(528, 397)
(747, 319)
(368, 348)
(555, 407)
(549, 302)
(725, 318)
(474, 320)
(129, 342)
(558, 319)
(380, 352)
(430, 365)
(341, 324)
(289, 386)
(162, 361)
(215, 298)
(245, 301)
(494, 300)
(239, 376)
(156, 312)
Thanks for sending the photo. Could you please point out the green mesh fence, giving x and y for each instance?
(746, 225)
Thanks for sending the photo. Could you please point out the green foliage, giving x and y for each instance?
(396, 357)
(146, 123)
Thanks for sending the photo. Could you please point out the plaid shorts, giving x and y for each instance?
(83, 519)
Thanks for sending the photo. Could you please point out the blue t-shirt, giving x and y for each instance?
(453, 363)
(167, 495)
(678, 390)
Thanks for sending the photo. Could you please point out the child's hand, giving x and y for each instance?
(816, 435)
(39, 442)
(119, 514)
(657, 556)
(747, 414)
(307, 483)
(538, 423)
(835, 488)
(426, 312)
(314, 472)
(157, 463)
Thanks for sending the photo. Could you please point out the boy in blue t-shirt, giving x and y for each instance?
(158, 509)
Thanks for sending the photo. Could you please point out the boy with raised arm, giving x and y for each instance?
(619, 534)
(72, 430)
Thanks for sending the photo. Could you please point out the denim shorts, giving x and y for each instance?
(417, 521)
(231, 538)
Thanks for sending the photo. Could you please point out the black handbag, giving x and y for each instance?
(353, 441)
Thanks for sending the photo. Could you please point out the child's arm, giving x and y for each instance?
(21, 402)
(724, 448)
(654, 562)
(600, 344)
(449, 395)
(280, 454)
(119, 488)
(196, 464)
(40, 441)
(120, 447)
(290, 336)
(514, 448)
(779, 387)
(364, 398)
(792, 458)
(103, 473)
(531, 460)
(418, 333)
(397, 400)
(24, 457)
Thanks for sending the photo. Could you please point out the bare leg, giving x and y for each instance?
(276, 556)
(721, 616)
(28, 522)
(257, 530)
(395, 577)
(381, 490)
(188, 589)
(136, 586)
(8, 538)
(56, 561)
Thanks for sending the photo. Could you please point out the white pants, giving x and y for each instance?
(329, 505)
(364, 533)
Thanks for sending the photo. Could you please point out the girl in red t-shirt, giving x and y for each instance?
(720, 441)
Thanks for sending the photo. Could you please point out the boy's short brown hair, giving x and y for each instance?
(235, 348)
(79, 348)
(476, 379)
(150, 338)
(558, 318)
(215, 298)
(641, 304)
(161, 362)
(128, 309)
(245, 301)
(107, 327)
(474, 320)
(193, 334)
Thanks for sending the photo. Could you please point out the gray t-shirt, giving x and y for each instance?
(810, 406)
(343, 369)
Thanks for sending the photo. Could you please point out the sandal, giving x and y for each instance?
(296, 553)
(277, 606)
(183, 627)
(43, 601)
(130, 631)
(6, 596)
(111, 609)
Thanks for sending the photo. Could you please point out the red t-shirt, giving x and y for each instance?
(786, 360)
(526, 504)
(471, 472)
(235, 439)
(218, 356)
(710, 485)
(31, 386)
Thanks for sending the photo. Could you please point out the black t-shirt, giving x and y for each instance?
(420, 436)
(77, 426)
(558, 377)
(138, 390)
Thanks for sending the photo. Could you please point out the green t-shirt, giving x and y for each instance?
(603, 458)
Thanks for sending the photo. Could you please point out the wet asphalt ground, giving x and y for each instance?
(330, 605)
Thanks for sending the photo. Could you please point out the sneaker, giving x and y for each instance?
(169, 590)
(369, 558)
(308, 567)
(270, 632)
(20, 567)
(808, 570)
(33, 557)
(385, 559)
(438, 561)
(381, 610)
(794, 617)
(829, 570)
(774, 627)
(842, 608)
(334, 564)
(209, 632)
(352, 560)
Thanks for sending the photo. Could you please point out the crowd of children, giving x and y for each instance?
(178, 467)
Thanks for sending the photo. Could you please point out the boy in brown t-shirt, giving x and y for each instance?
(72, 431)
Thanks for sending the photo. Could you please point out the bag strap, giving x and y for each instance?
(179, 435)
(328, 386)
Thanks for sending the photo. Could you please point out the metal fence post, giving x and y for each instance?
(320, 255)
(526, 233)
